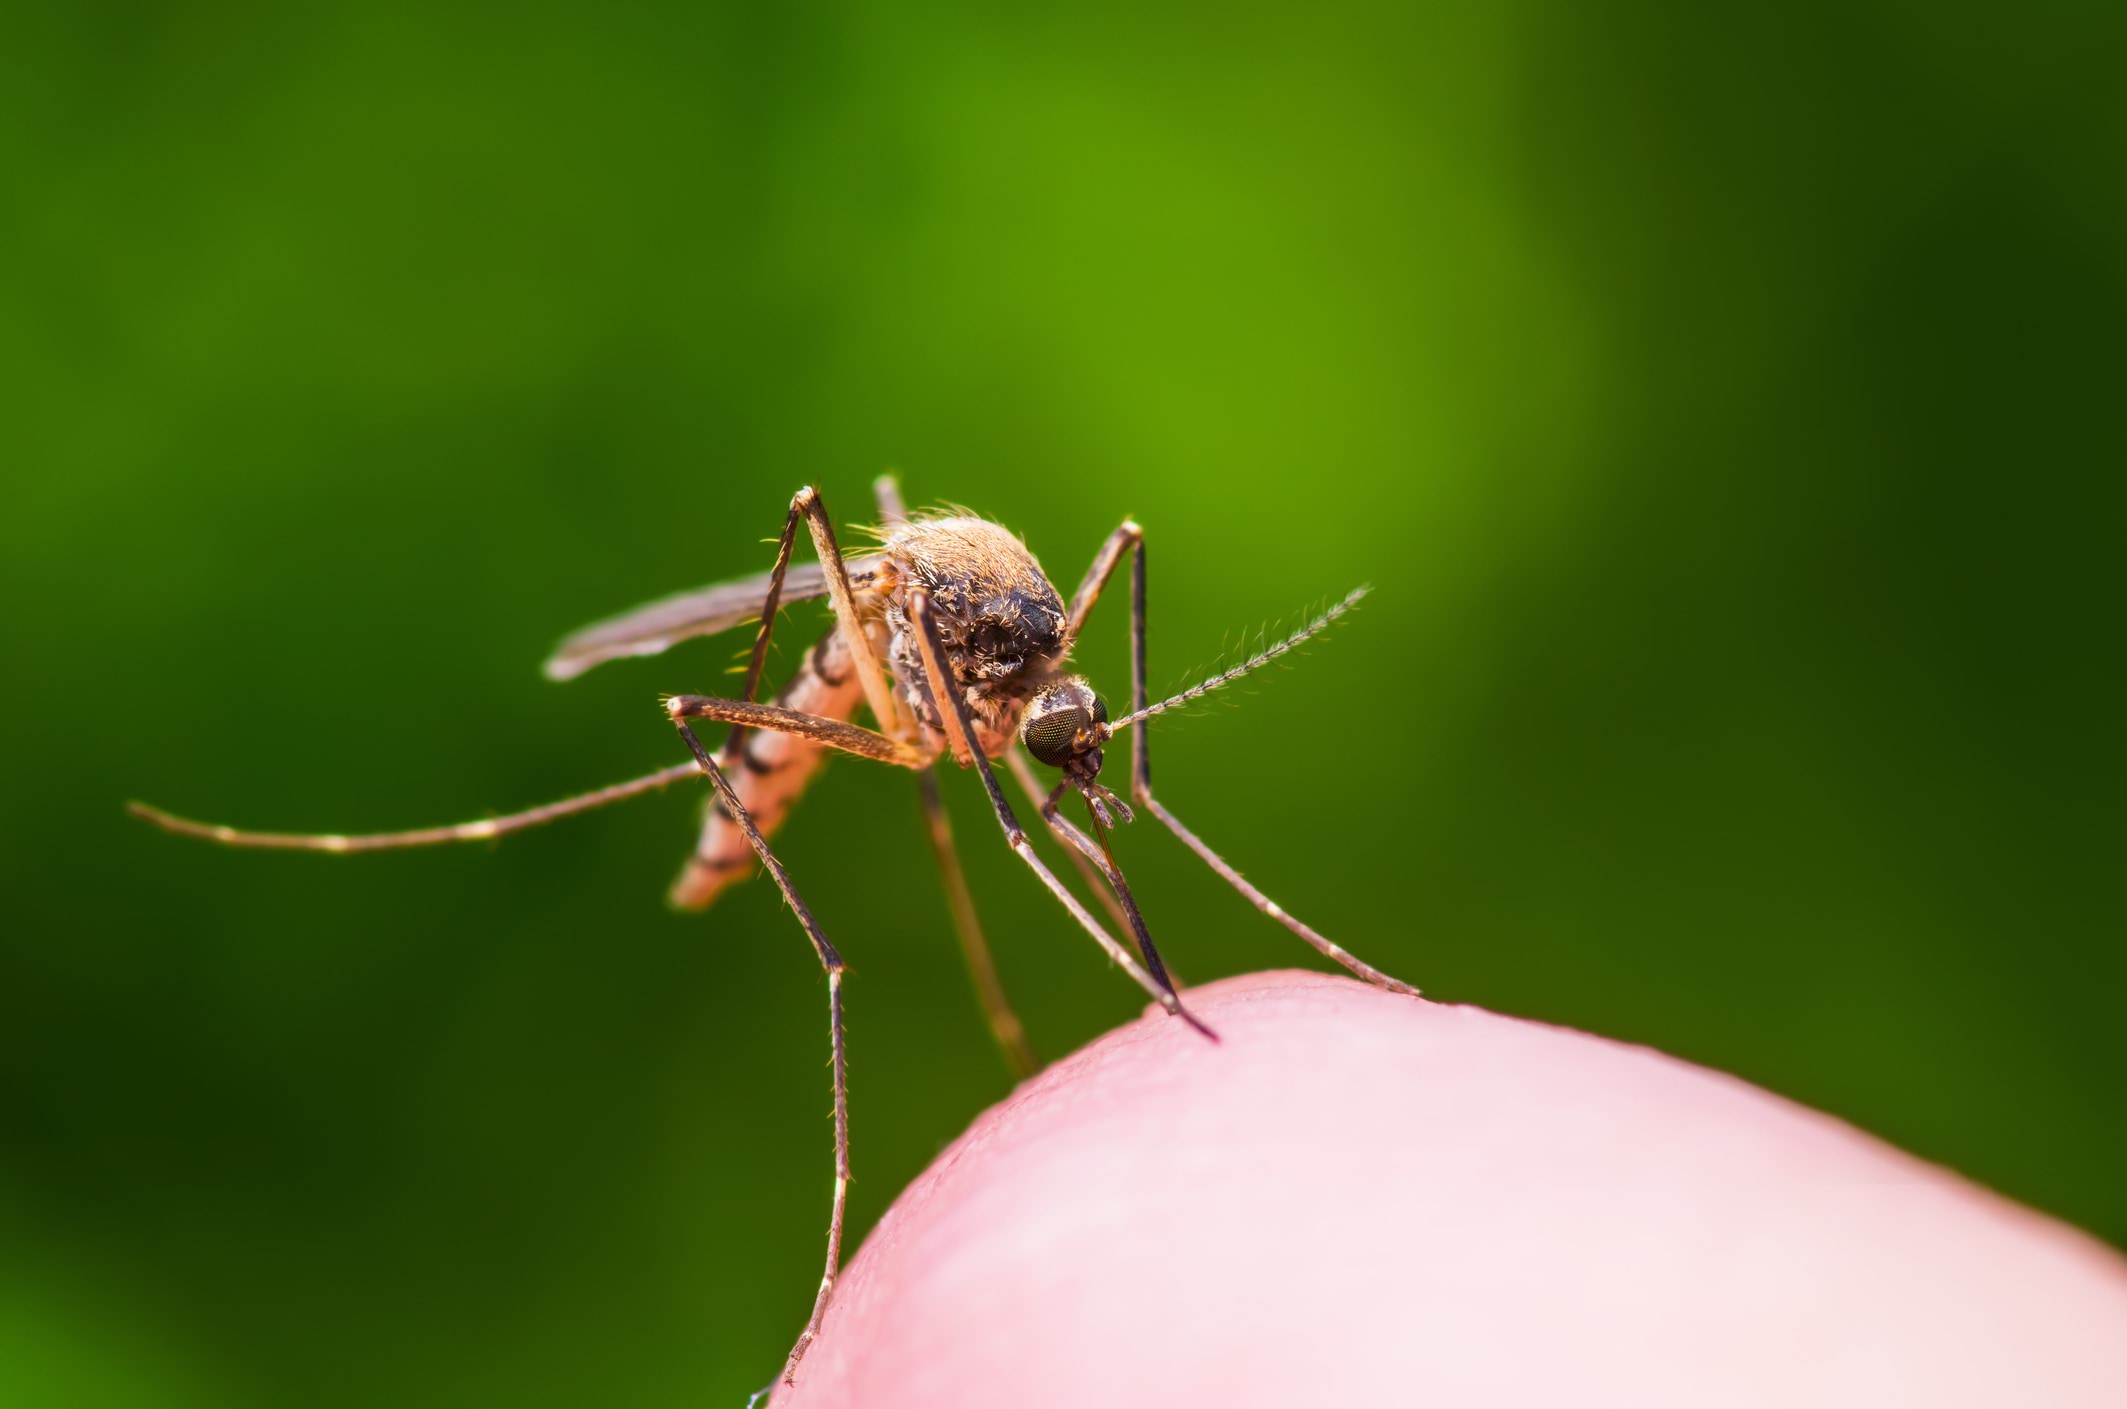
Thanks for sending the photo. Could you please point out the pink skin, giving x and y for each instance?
(1357, 1199)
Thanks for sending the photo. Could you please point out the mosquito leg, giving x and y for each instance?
(1004, 1023)
(838, 1049)
(769, 607)
(714, 859)
(486, 829)
(1141, 794)
(1015, 760)
(961, 732)
(735, 741)
(1126, 537)
(869, 672)
(1078, 843)
(834, 733)
(805, 506)
(1327, 947)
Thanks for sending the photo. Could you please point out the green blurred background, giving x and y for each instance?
(1726, 404)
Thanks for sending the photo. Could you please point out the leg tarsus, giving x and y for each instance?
(1131, 538)
(486, 829)
(831, 961)
(1326, 947)
(826, 1293)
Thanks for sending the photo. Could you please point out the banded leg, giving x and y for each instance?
(982, 970)
(838, 1049)
(1131, 538)
(486, 829)
(961, 733)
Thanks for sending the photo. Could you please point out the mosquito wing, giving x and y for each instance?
(658, 625)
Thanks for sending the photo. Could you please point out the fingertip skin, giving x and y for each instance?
(1357, 1198)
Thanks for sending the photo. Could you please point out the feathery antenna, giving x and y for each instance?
(1260, 658)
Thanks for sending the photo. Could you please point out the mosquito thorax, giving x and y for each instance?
(1062, 725)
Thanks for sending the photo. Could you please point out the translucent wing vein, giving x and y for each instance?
(659, 625)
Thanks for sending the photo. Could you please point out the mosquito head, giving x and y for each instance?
(1065, 725)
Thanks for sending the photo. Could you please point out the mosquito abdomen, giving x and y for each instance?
(771, 771)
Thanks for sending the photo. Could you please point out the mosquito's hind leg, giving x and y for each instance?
(486, 829)
(961, 735)
(1130, 537)
(831, 961)
(989, 989)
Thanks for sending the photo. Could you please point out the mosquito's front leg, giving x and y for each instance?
(1077, 843)
(1327, 947)
(1126, 537)
(960, 731)
(1131, 538)
(959, 900)
(1015, 761)
(870, 674)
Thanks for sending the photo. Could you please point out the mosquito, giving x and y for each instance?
(956, 642)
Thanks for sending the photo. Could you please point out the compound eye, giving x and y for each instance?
(1100, 710)
(1051, 737)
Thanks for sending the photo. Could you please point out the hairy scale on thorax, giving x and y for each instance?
(1002, 625)
(1001, 621)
